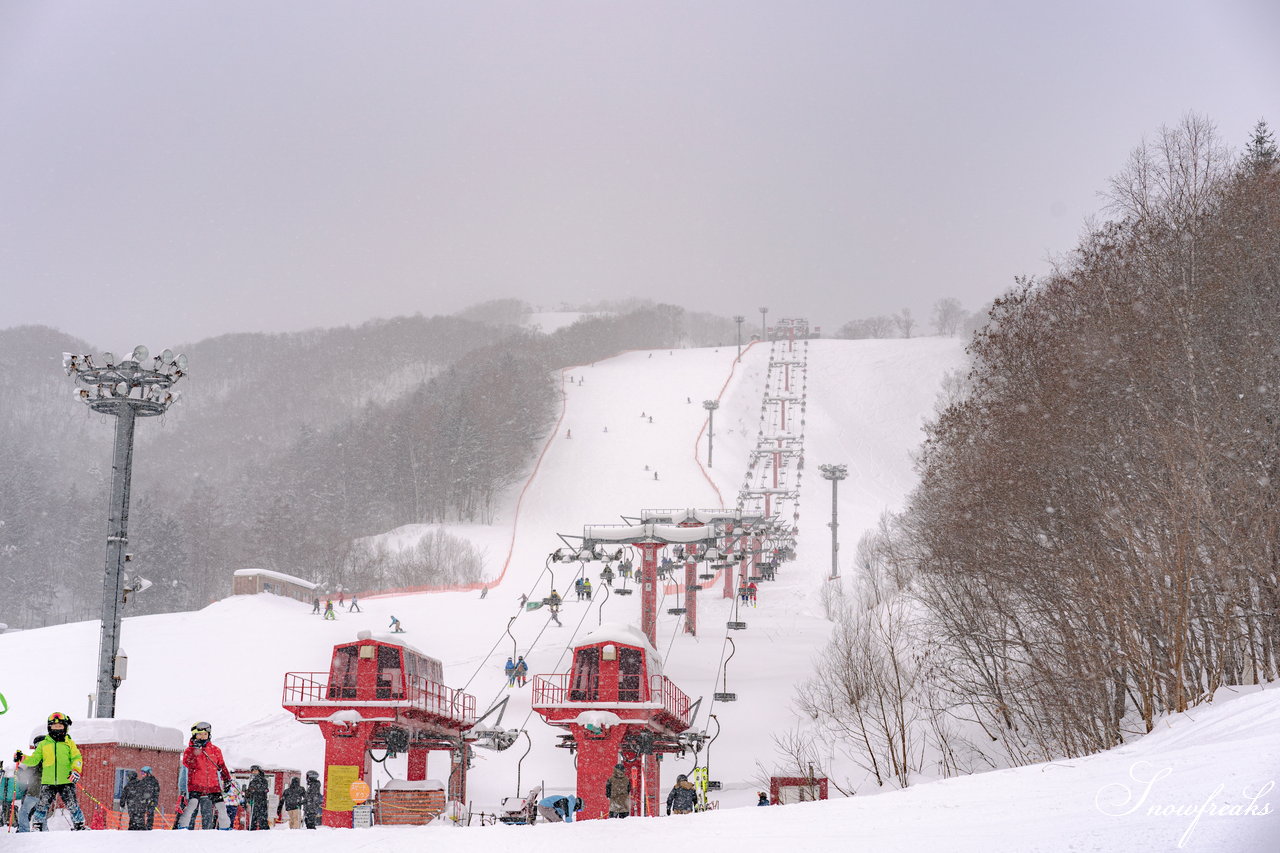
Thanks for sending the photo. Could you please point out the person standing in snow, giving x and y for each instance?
(618, 789)
(522, 672)
(148, 796)
(255, 799)
(682, 796)
(8, 793)
(510, 670)
(131, 801)
(315, 606)
(328, 610)
(292, 801)
(207, 776)
(395, 626)
(342, 598)
(60, 763)
(763, 798)
(355, 606)
(29, 788)
(313, 805)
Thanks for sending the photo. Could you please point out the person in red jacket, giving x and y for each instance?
(207, 777)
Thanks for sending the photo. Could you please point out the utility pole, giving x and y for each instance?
(136, 387)
(764, 327)
(738, 318)
(710, 406)
(834, 473)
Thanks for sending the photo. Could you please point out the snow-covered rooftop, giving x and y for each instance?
(280, 576)
(124, 732)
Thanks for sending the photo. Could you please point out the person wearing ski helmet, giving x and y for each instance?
(682, 797)
(314, 803)
(149, 794)
(60, 764)
(207, 778)
(256, 799)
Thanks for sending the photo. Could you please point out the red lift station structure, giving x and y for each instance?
(381, 693)
(618, 707)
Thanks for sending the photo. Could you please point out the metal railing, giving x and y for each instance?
(554, 690)
(313, 688)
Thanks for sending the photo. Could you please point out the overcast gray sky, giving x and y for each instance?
(175, 170)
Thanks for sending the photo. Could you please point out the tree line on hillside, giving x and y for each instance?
(948, 318)
(1093, 542)
(286, 451)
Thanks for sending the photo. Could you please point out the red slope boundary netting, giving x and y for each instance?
(515, 521)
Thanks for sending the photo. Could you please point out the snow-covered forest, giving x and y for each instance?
(289, 448)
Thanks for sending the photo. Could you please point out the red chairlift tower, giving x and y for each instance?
(618, 707)
(381, 693)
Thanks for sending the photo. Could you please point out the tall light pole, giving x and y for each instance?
(764, 327)
(710, 406)
(135, 387)
(834, 473)
(738, 318)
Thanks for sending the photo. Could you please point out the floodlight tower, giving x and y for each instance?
(834, 473)
(738, 318)
(135, 387)
(710, 406)
(764, 327)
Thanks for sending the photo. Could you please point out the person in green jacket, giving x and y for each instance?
(60, 764)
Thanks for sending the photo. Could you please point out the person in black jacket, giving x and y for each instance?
(682, 796)
(255, 799)
(291, 801)
(131, 801)
(148, 796)
(315, 800)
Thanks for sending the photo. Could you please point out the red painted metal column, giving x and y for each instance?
(597, 755)
(343, 751)
(417, 765)
(691, 598)
(652, 785)
(649, 589)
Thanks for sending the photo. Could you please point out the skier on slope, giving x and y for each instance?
(207, 777)
(60, 764)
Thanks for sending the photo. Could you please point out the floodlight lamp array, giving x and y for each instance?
(141, 382)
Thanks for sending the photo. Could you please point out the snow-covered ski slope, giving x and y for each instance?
(866, 401)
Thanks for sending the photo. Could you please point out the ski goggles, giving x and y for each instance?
(202, 727)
